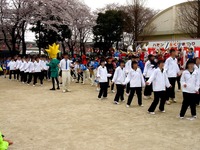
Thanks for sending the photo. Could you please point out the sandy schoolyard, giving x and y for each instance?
(36, 118)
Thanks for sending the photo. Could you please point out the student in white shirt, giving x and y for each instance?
(190, 89)
(37, 72)
(149, 68)
(31, 70)
(136, 80)
(18, 63)
(22, 68)
(160, 82)
(102, 75)
(197, 68)
(172, 70)
(12, 66)
(46, 68)
(26, 70)
(128, 68)
(65, 65)
(119, 78)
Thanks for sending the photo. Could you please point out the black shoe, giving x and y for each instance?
(53, 89)
(58, 88)
(77, 82)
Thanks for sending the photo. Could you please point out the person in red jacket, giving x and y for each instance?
(84, 61)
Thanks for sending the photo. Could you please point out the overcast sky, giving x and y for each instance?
(94, 4)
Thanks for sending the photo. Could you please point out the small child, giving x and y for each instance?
(190, 88)
(4, 143)
(136, 80)
(160, 82)
(118, 79)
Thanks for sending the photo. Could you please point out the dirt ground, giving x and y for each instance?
(36, 118)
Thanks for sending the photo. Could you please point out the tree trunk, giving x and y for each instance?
(63, 46)
(13, 40)
(23, 39)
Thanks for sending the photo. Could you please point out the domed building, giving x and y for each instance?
(164, 26)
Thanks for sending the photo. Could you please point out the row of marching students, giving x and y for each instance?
(28, 69)
(160, 78)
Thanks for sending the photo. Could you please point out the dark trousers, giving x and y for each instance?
(128, 88)
(45, 76)
(53, 82)
(30, 76)
(18, 73)
(103, 89)
(112, 85)
(73, 74)
(12, 72)
(42, 75)
(158, 96)
(22, 76)
(188, 100)
(36, 76)
(178, 82)
(148, 89)
(138, 91)
(80, 76)
(49, 74)
(171, 91)
(198, 98)
(26, 76)
(120, 93)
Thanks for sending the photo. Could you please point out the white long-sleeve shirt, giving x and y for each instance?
(37, 67)
(31, 67)
(191, 80)
(64, 66)
(27, 64)
(171, 67)
(119, 76)
(22, 66)
(148, 69)
(135, 78)
(102, 74)
(160, 80)
(128, 66)
(197, 68)
(18, 64)
(12, 65)
(43, 64)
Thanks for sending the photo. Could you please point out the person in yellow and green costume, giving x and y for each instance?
(4, 143)
(54, 64)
